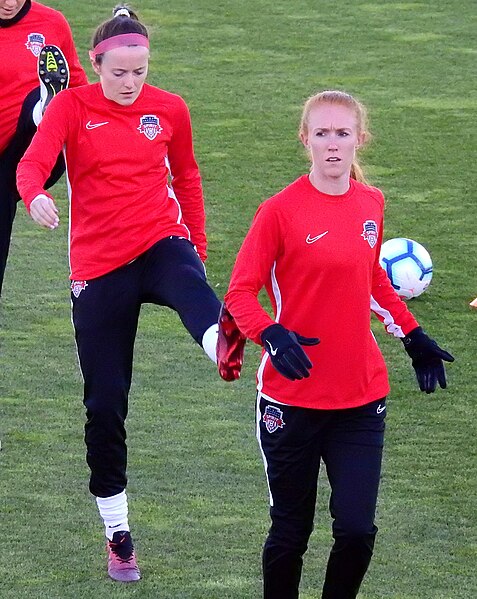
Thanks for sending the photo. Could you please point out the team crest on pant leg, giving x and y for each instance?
(370, 232)
(35, 43)
(150, 126)
(273, 418)
(77, 287)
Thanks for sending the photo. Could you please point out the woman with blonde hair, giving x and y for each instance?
(315, 247)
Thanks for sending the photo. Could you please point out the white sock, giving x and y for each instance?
(37, 113)
(209, 342)
(114, 512)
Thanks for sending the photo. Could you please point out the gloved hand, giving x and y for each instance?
(427, 360)
(286, 353)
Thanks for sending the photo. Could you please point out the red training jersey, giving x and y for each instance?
(20, 46)
(117, 168)
(318, 257)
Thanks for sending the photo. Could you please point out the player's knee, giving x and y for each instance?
(108, 407)
(356, 535)
(291, 534)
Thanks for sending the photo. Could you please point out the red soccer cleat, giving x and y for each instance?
(122, 564)
(230, 346)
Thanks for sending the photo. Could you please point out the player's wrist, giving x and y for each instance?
(413, 335)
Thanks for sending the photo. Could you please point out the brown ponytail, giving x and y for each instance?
(124, 20)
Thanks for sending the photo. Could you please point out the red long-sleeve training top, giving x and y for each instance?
(117, 169)
(317, 255)
(20, 45)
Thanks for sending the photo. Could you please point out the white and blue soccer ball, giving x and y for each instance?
(408, 266)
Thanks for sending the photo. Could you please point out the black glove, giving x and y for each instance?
(286, 353)
(427, 359)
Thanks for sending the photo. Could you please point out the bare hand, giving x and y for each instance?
(44, 212)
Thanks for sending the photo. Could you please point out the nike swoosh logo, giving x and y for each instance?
(90, 125)
(313, 239)
(272, 351)
(380, 409)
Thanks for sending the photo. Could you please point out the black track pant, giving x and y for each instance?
(105, 318)
(9, 160)
(293, 442)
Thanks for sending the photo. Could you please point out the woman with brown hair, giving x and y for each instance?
(137, 235)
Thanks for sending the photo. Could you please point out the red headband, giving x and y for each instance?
(118, 41)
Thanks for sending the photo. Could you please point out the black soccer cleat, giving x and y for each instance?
(53, 73)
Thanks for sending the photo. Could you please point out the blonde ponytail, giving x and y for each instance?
(344, 99)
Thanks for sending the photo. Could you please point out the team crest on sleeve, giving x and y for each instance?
(370, 232)
(150, 126)
(77, 287)
(35, 43)
(273, 418)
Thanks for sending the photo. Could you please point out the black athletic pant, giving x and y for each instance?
(105, 318)
(9, 160)
(294, 441)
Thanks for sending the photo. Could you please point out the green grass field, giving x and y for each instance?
(198, 496)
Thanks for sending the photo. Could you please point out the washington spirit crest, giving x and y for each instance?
(35, 43)
(149, 126)
(77, 287)
(273, 418)
(370, 232)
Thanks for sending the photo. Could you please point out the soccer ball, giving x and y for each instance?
(408, 266)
